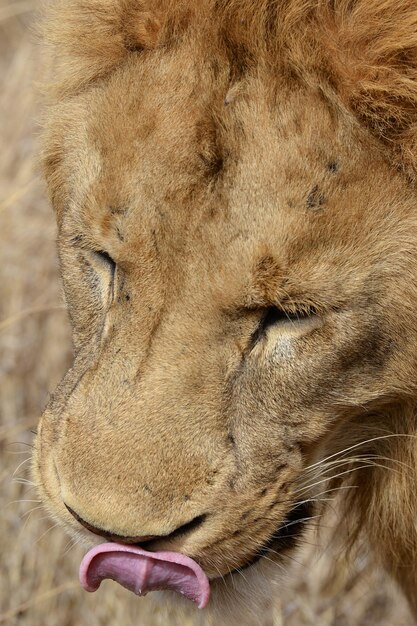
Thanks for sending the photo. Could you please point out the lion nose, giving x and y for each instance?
(181, 530)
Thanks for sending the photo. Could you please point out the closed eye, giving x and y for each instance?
(105, 259)
(276, 316)
(105, 269)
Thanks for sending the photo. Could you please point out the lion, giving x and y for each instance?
(235, 187)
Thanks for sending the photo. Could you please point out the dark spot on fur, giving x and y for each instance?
(118, 210)
(217, 166)
(273, 504)
(371, 349)
(289, 446)
(333, 167)
(155, 241)
(122, 279)
(127, 297)
(214, 166)
(239, 57)
(211, 477)
(176, 26)
(132, 47)
(77, 239)
(210, 148)
(120, 236)
(280, 467)
(302, 447)
(187, 498)
(263, 492)
(215, 66)
(315, 199)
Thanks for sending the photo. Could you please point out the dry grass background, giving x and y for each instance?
(38, 568)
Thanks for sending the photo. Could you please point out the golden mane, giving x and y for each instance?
(363, 51)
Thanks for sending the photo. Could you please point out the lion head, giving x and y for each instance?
(235, 190)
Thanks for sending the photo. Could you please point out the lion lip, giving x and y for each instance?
(141, 571)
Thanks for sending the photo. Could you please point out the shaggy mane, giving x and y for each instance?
(363, 51)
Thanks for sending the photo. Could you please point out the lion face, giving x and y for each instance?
(233, 251)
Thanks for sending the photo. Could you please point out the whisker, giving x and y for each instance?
(28, 513)
(71, 544)
(366, 457)
(212, 564)
(23, 481)
(17, 452)
(367, 463)
(300, 521)
(20, 443)
(46, 532)
(28, 516)
(358, 445)
(346, 472)
(21, 501)
(20, 465)
(279, 565)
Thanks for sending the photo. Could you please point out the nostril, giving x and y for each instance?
(143, 540)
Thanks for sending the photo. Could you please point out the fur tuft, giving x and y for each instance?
(371, 46)
(92, 37)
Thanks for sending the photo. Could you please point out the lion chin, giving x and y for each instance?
(235, 192)
(248, 599)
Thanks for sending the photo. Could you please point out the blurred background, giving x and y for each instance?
(38, 563)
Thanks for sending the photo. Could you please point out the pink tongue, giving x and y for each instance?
(141, 571)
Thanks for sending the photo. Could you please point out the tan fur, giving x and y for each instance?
(231, 157)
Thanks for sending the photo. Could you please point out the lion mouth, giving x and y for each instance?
(142, 571)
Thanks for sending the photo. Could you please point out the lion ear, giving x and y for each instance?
(372, 53)
(91, 37)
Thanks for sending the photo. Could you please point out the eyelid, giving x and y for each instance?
(104, 257)
(105, 267)
(279, 316)
(87, 247)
